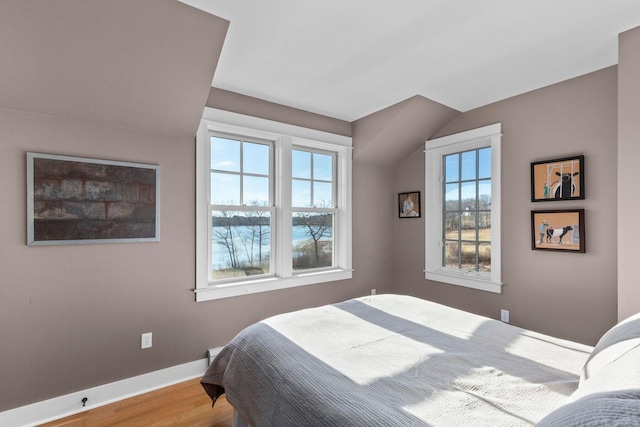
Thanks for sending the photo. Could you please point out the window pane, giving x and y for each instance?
(452, 226)
(452, 197)
(255, 158)
(256, 191)
(225, 189)
(451, 254)
(312, 240)
(301, 193)
(484, 194)
(469, 196)
(241, 244)
(469, 165)
(451, 164)
(484, 257)
(300, 164)
(484, 163)
(468, 256)
(322, 167)
(225, 154)
(322, 195)
(468, 226)
(484, 226)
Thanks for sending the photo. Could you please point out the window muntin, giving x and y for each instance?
(467, 210)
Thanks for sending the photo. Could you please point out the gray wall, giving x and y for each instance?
(380, 141)
(564, 294)
(250, 106)
(71, 316)
(628, 153)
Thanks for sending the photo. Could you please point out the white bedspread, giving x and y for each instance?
(390, 360)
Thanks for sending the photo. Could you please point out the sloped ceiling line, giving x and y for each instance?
(390, 135)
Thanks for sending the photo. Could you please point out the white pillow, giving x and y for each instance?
(609, 390)
(622, 373)
(616, 342)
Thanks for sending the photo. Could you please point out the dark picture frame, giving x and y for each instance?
(558, 179)
(73, 200)
(409, 205)
(558, 230)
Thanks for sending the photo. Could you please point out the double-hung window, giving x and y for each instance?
(313, 193)
(273, 206)
(463, 209)
(241, 208)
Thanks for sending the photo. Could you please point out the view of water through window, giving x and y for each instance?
(242, 244)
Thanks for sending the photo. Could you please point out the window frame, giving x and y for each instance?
(334, 210)
(242, 207)
(285, 138)
(435, 150)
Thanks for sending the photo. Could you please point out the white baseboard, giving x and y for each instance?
(70, 404)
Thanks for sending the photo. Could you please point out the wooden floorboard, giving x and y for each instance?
(184, 404)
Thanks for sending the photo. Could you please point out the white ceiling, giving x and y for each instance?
(350, 58)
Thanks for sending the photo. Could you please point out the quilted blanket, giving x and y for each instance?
(391, 360)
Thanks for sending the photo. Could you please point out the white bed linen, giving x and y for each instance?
(393, 360)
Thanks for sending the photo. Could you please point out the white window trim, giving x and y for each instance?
(286, 137)
(435, 149)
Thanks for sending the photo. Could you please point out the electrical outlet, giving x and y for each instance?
(146, 340)
(373, 291)
(504, 316)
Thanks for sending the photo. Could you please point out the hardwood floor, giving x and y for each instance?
(184, 404)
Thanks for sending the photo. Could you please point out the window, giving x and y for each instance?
(241, 178)
(463, 209)
(312, 197)
(466, 216)
(273, 206)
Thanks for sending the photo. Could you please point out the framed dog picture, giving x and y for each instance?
(558, 179)
(558, 230)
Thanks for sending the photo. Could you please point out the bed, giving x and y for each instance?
(393, 360)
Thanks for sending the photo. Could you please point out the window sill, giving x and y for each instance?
(467, 279)
(228, 290)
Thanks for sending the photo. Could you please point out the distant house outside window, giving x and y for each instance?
(462, 239)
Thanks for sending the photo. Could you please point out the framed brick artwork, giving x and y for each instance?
(74, 200)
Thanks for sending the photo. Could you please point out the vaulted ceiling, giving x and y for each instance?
(348, 59)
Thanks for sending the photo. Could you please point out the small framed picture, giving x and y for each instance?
(409, 205)
(558, 179)
(558, 230)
